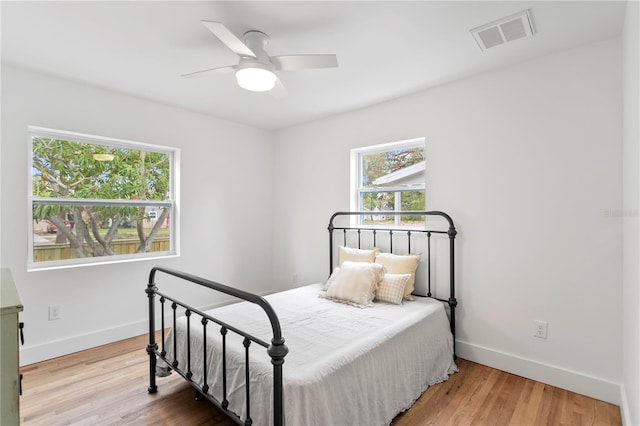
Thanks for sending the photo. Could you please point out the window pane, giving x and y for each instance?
(70, 169)
(412, 200)
(386, 201)
(398, 167)
(63, 232)
(377, 201)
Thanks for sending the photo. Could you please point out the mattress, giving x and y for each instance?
(346, 365)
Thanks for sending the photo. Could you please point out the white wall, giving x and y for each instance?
(527, 160)
(631, 216)
(226, 209)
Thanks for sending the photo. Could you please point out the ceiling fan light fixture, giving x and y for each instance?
(256, 78)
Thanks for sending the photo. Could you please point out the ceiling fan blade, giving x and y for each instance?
(228, 38)
(206, 72)
(300, 62)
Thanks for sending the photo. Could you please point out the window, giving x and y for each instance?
(389, 178)
(97, 200)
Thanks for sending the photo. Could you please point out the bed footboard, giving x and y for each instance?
(276, 349)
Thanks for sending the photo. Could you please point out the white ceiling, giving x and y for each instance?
(385, 49)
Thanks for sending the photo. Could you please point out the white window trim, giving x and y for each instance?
(174, 217)
(356, 172)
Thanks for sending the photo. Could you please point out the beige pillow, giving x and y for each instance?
(355, 283)
(355, 255)
(401, 264)
(391, 288)
(334, 275)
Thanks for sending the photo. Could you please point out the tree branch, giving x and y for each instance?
(144, 246)
(96, 234)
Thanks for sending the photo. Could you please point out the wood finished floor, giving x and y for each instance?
(108, 386)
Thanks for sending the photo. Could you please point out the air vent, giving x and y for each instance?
(503, 30)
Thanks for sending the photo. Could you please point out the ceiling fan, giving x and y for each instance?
(256, 69)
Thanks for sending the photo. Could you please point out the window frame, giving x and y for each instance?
(172, 203)
(356, 188)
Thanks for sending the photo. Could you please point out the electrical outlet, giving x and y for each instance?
(54, 313)
(294, 279)
(540, 329)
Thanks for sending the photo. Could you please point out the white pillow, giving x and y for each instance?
(401, 264)
(355, 255)
(355, 283)
(391, 288)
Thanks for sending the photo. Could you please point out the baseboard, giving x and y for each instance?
(573, 381)
(56, 348)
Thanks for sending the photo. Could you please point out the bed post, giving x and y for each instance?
(330, 227)
(452, 298)
(277, 352)
(152, 347)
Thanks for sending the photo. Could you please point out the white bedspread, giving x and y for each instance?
(346, 366)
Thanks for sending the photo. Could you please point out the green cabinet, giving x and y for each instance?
(10, 306)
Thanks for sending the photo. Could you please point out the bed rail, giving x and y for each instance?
(376, 230)
(277, 350)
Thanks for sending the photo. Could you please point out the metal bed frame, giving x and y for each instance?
(276, 349)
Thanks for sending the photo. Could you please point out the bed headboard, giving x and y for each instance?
(427, 237)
